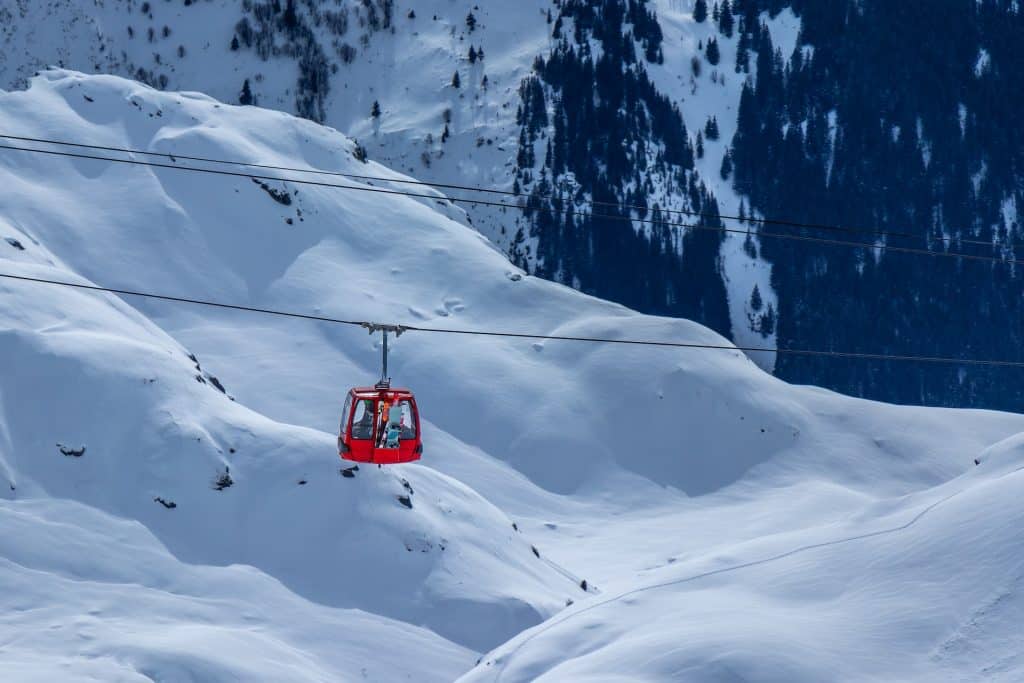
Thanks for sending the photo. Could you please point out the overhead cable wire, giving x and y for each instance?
(518, 335)
(507, 193)
(482, 202)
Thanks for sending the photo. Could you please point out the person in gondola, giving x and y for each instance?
(394, 428)
(382, 423)
(362, 427)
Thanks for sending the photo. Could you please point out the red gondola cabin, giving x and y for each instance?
(380, 425)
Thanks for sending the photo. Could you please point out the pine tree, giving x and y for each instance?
(375, 110)
(471, 22)
(445, 134)
(700, 11)
(291, 20)
(412, 14)
(700, 145)
(749, 247)
(756, 302)
(234, 44)
(725, 20)
(743, 54)
(472, 55)
(727, 166)
(711, 128)
(768, 321)
(246, 96)
(456, 83)
(712, 53)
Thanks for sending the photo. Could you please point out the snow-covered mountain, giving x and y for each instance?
(336, 62)
(558, 478)
(638, 103)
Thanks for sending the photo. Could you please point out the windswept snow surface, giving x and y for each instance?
(625, 466)
(927, 587)
(90, 597)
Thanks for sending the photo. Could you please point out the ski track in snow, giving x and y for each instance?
(557, 621)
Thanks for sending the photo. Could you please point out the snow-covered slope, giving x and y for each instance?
(714, 92)
(926, 587)
(86, 371)
(338, 59)
(418, 46)
(90, 597)
(612, 461)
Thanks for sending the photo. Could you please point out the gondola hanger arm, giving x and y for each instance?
(384, 327)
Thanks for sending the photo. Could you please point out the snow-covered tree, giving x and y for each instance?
(726, 22)
(712, 52)
(756, 302)
(711, 128)
(700, 11)
(246, 96)
(726, 166)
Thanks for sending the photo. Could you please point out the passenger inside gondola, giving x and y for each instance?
(407, 422)
(395, 423)
(362, 421)
(383, 414)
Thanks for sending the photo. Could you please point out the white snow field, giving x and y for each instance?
(729, 526)
(90, 597)
(927, 587)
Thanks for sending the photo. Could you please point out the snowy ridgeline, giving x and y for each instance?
(169, 471)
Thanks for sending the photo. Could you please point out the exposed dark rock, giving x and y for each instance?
(280, 196)
(223, 481)
(71, 452)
